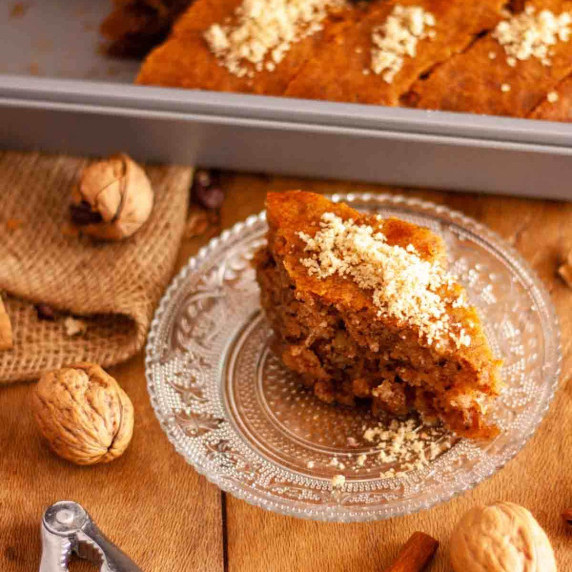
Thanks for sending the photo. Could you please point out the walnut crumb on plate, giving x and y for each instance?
(338, 481)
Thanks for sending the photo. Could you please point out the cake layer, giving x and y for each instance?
(331, 331)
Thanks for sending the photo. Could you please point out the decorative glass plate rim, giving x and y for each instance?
(525, 272)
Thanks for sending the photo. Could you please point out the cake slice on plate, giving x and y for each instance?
(363, 308)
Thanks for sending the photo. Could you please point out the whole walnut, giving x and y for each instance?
(502, 537)
(113, 199)
(83, 414)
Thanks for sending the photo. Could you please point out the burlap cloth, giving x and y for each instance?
(115, 286)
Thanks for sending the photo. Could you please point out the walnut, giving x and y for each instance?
(113, 199)
(83, 413)
(502, 537)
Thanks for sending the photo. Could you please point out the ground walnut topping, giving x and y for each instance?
(532, 35)
(338, 481)
(404, 286)
(552, 97)
(397, 38)
(408, 444)
(264, 31)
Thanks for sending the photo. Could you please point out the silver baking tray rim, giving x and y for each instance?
(154, 101)
(280, 135)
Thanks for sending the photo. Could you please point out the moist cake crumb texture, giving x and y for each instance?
(363, 309)
(397, 38)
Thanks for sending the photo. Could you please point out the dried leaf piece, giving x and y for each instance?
(197, 222)
(502, 537)
(113, 199)
(74, 327)
(202, 222)
(45, 312)
(206, 190)
(83, 414)
(565, 270)
(6, 339)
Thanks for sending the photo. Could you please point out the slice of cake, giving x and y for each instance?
(363, 308)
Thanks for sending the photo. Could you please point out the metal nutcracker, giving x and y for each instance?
(68, 529)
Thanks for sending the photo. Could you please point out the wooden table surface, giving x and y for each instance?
(168, 518)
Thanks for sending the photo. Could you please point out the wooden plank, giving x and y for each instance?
(150, 502)
(167, 517)
(538, 478)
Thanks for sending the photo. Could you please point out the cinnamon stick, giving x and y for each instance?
(415, 554)
(6, 341)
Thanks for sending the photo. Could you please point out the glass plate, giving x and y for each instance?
(233, 412)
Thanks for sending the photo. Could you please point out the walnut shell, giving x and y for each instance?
(113, 199)
(502, 537)
(83, 414)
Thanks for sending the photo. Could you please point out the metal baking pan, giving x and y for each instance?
(58, 92)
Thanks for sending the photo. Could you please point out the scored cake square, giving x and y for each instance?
(187, 59)
(507, 72)
(363, 309)
(343, 68)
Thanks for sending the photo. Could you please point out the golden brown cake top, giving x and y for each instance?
(557, 105)
(510, 70)
(260, 33)
(377, 59)
(389, 268)
(190, 57)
